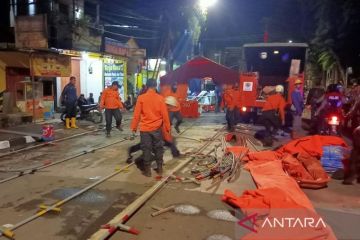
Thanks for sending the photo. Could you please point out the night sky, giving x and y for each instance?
(229, 23)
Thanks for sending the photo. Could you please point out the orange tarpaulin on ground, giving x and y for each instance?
(278, 175)
(269, 206)
(264, 156)
(278, 196)
(311, 145)
(271, 174)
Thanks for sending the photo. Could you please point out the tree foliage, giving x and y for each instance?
(334, 41)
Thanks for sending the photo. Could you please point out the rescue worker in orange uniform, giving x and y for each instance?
(273, 112)
(236, 98)
(152, 115)
(111, 101)
(228, 102)
(173, 104)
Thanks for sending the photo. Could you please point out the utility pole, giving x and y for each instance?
(73, 10)
(97, 13)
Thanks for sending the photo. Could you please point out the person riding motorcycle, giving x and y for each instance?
(332, 103)
(82, 100)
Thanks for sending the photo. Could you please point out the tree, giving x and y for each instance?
(333, 42)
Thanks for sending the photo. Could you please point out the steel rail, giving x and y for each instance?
(31, 170)
(9, 231)
(129, 211)
(54, 141)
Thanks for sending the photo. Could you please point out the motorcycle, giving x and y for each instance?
(333, 122)
(89, 112)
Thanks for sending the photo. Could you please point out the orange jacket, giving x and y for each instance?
(110, 99)
(176, 108)
(151, 112)
(228, 99)
(275, 102)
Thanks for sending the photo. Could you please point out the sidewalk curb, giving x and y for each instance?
(16, 142)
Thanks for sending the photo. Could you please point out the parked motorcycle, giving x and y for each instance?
(89, 112)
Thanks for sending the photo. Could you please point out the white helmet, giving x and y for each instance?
(170, 100)
(279, 89)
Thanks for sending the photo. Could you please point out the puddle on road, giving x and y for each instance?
(90, 196)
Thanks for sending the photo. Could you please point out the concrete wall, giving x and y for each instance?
(91, 75)
(2, 76)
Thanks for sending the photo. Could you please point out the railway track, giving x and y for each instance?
(9, 231)
(46, 144)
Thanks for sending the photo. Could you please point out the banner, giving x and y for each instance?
(50, 65)
(114, 71)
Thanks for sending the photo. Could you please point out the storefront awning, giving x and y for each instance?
(15, 59)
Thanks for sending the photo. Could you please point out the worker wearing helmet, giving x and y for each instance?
(297, 108)
(273, 112)
(173, 105)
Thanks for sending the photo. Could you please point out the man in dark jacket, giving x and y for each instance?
(354, 167)
(91, 99)
(69, 98)
(297, 108)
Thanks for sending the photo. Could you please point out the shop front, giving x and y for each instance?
(31, 80)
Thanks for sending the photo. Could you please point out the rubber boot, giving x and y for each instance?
(177, 129)
(73, 123)
(147, 171)
(159, 168)
(67, 123)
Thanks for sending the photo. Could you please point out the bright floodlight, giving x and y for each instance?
(205, 4)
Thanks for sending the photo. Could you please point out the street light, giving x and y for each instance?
(205, 4)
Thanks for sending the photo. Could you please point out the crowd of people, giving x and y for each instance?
(154, 115)
(322, 104)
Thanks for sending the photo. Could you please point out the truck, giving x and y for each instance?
(266, 65)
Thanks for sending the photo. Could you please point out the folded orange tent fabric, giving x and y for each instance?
(295, 169)
(313, 166)
(271, 174)
(270, 204)
(311, 145)
(278, 196)
(264, 156)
